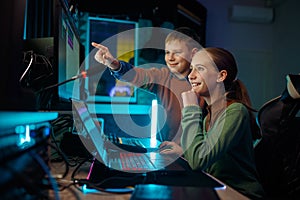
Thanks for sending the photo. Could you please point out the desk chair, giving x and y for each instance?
(277, 154)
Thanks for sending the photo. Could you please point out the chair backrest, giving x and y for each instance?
(278, 152)
(268, 117)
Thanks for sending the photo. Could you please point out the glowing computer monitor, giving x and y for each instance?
(121, 38)
(68, 61)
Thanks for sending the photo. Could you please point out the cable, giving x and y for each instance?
(30, 62)
(47, 171)
(99, 185)
(61, 126)
(87, 184)
(67, 164)
(78, 166)
(65, 186)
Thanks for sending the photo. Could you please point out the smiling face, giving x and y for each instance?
(178, 57)
(205, 78)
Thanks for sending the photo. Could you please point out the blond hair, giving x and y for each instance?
(186, 35)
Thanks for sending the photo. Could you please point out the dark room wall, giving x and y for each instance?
(12, 24)
(266, 52)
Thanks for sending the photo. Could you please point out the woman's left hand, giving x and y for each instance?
(189, 98)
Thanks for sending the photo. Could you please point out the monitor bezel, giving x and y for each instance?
(62, 8)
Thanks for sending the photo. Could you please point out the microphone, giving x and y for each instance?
(89, 72)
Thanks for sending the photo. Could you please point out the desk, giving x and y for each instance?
(74, 193)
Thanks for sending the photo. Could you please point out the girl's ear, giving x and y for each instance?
(222, 76)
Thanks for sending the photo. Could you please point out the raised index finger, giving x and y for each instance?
(96, 45)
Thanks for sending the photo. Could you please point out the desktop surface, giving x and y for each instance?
(80, 192)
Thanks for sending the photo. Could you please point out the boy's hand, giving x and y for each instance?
(103, 56)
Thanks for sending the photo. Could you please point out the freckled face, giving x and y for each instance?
(204, 75)
(178, 57)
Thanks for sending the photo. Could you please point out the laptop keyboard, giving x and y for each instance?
(134, 161)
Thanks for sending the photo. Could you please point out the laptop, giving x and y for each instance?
(116, 168)
(112, 155)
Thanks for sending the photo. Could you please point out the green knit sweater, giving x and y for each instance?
(226, 150)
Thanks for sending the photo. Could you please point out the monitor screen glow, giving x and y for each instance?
(68, 56)
(120, 36)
